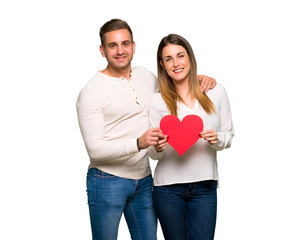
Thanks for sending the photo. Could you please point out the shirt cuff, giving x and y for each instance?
(220, 144)
(131, 146)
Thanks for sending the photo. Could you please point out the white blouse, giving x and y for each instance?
(199, 162)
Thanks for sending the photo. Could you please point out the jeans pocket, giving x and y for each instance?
(105, 175)
(90, 189)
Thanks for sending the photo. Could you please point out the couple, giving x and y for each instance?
(114, 109)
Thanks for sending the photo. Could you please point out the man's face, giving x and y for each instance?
(118, 49)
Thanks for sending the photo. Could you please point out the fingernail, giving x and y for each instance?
(200, 135)
(204, 138)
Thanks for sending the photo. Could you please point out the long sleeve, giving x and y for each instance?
(156, 110)
(225, 129)
(154, 154)
(199, 162)
(112, 114)
(91, 122)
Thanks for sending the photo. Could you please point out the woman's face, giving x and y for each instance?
(176, 62)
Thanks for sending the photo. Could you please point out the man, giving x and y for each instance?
(113, 117)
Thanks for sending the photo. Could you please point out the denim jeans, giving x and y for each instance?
(109, 196)
(187, 211)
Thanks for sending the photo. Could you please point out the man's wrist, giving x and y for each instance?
(138, 144)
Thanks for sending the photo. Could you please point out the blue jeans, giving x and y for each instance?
(109, 196)
(187, 211)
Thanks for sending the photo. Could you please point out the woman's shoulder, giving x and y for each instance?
(218, 90)
(157, 98)
(158, 102)
(157, 95)
(219, 87)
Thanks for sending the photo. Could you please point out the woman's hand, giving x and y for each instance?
(161, 144)
(210, 135)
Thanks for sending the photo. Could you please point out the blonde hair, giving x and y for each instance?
(166, 85)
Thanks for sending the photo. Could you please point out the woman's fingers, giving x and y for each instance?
(210, 135)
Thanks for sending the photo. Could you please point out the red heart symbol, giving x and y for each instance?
(182, 135)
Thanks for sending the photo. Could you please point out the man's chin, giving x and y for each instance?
(122, 66)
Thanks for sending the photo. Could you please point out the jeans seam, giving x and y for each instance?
(95, 191)
(135, 221)
(186, 229)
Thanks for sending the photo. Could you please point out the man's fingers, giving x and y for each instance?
(207, 83)
(156, 132)
(203, 87)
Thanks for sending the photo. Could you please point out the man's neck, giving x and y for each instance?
(117, 73)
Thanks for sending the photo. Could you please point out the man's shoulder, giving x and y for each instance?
(138, 70)
(99, 79)
(97, 84)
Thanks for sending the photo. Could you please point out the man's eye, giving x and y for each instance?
(112, 45)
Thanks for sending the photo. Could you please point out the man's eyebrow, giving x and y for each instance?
(111, 43)
(114, 43)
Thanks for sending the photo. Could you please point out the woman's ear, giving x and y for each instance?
(162, 65)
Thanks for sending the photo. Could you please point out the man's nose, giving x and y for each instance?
(120, 50)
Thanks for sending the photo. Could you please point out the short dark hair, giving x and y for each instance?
(113, 25)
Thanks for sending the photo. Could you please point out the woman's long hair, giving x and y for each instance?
(166, 85)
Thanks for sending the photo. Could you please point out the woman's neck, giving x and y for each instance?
(183, 91)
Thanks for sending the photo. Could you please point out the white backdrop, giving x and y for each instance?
(49, 50)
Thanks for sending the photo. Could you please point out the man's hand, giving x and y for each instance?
(207, 83)
(151, 137)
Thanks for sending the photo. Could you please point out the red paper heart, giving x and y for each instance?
(182, 135)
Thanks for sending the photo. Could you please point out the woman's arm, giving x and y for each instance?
(221, 138)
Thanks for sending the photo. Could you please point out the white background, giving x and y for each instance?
(49, 50)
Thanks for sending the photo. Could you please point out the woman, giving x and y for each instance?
(185, 186)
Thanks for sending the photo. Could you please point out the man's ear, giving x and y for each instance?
(101, 48)
(133, 47)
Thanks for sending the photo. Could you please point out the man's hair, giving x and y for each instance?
(113, 25)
